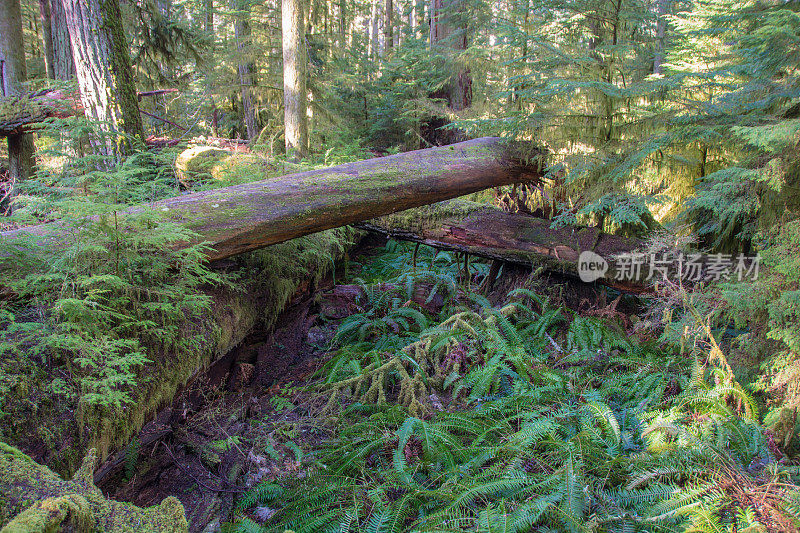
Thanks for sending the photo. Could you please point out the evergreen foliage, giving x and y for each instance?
(524, 416)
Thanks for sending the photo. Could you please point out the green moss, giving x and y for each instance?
(54, 514)
(33, 499)
(429, 216)
(198, 163)
(38, 414)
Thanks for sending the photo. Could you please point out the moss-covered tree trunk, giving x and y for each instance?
(237, 219)
(35, 499)
(13, 75)
(295, 99)
(103, 68)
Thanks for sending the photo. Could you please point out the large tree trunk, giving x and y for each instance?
(47, 40)
(245, 217)
(372, 29)
(449, 37)
(56, 41)
(241, 30)
(13, 75)
(343, 24)
(295, 99)
(103, 66)
(484, 231)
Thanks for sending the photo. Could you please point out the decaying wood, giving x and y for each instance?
(246, 217)
(485, 231)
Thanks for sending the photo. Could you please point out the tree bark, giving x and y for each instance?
(103, 68)
(343, 23)
(295, 99)
(208, 27)
(372, 44)
(485, 231)
(246, 217)
(662, 8)
(388, 26)
(449, 36)
(56, 41)
(47, 38)
(241, 30)
(13, 74)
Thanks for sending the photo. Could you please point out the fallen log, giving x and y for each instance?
(484, 231)
(19, 114)
(241, 218)
(23, 113)
(34, 498)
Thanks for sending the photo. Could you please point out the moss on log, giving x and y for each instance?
(245, 217)
(53, 426)
(485, 231)
(34, 499)
(18, 114)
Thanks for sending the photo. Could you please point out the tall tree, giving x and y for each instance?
(372, 45)
(662, 8)
(47, 41)
(449, 37)
(388, 26)
(242, 33)
(13, 75)
(56, 41)
(208, 27)
(295, 99)
(103, 68)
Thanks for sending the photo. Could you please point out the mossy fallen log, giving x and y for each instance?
(55, 427)
(485, 231)
(19, 114)
(246, 217)
(34, 499)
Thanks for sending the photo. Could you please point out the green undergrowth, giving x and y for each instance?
(101, 329)
(523, 416)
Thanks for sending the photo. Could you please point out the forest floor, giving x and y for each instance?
(406, 395)
(228, 429)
